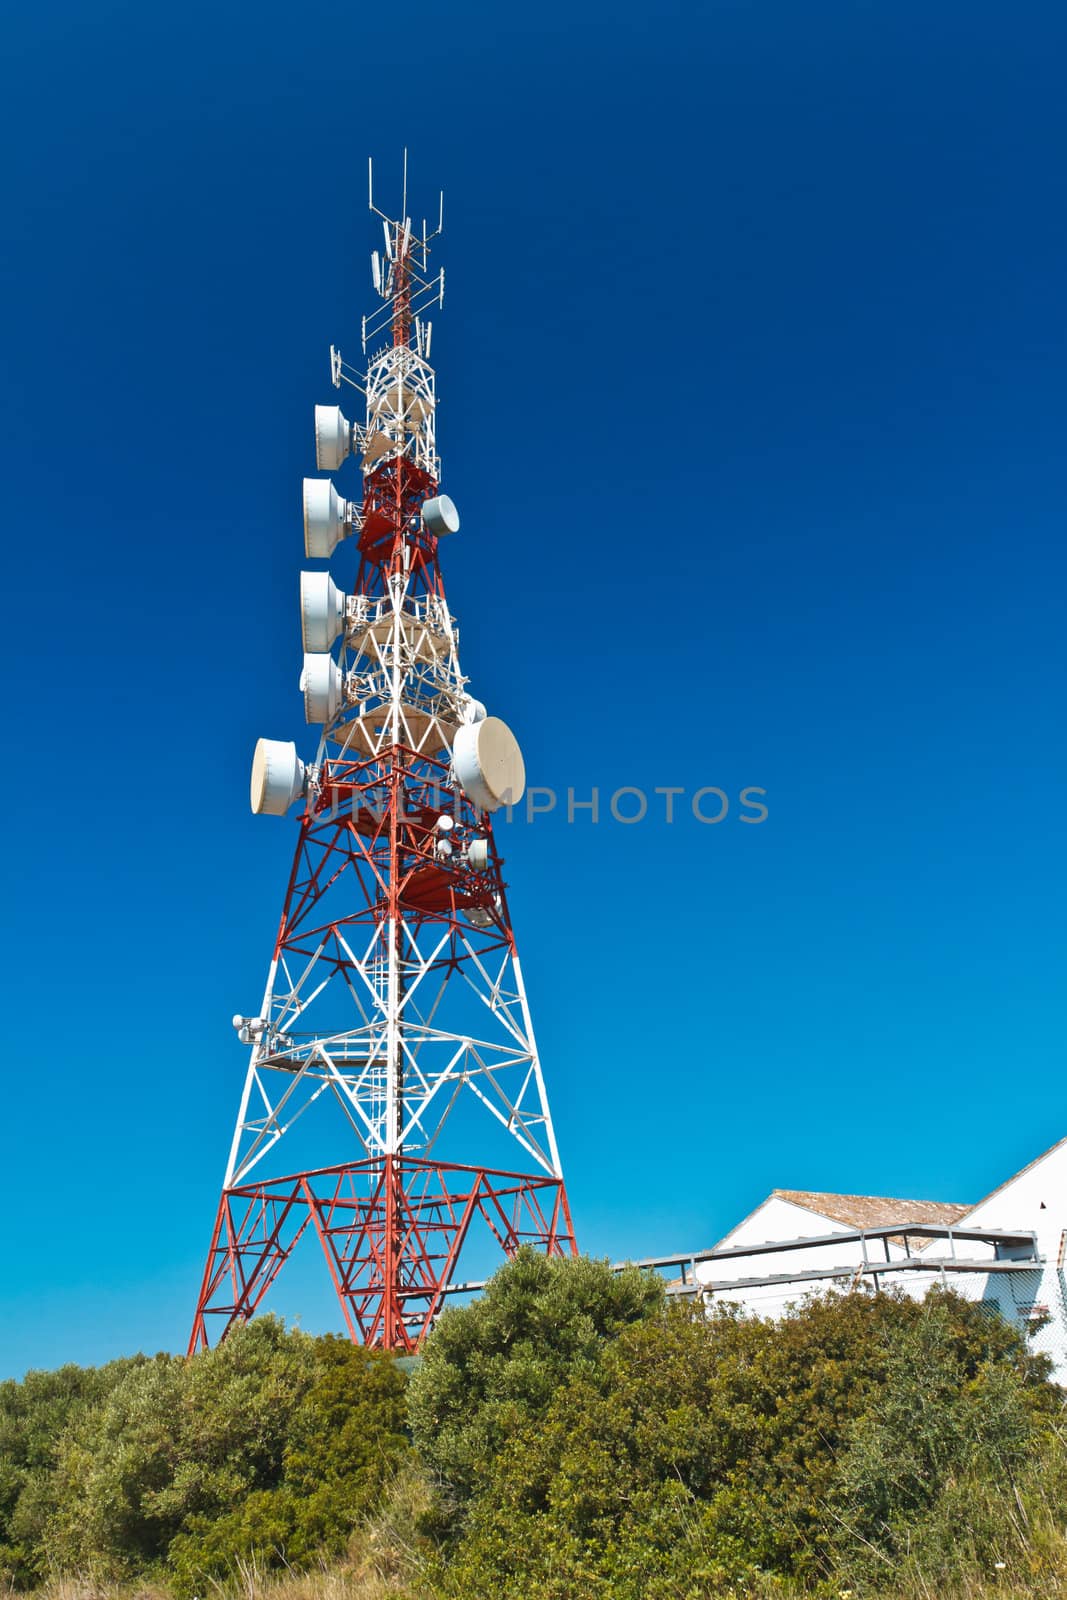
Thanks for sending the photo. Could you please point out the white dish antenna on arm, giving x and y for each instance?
(278, 777)
(334, 437)
(489, 764)
(322, 611)
(322, 684)
(327, 518)
(439, 516)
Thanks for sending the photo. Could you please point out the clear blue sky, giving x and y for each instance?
(753, 367)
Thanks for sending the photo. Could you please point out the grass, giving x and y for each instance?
(356, 1580)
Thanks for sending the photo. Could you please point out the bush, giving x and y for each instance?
(346, 1441)
(580, 1439)
(493, 1367)
(700, 1455)
(933, 1474)
(272, 1443)
(34, 1416)
(176, 1440)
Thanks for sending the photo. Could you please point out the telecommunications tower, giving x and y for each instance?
(394, 1102)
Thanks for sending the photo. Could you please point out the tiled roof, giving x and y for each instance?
(873, 1210)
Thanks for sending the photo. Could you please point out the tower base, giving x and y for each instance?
(391, 1229)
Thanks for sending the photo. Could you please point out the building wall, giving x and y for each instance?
(779, 1219)
(1035, 1200)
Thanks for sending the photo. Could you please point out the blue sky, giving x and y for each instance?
(752, 365)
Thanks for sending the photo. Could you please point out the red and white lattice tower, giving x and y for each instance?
(394, 1081)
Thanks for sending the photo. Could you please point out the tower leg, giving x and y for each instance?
(391, 1229)
(255, 1234)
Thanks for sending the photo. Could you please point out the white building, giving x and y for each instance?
(1007, 1251)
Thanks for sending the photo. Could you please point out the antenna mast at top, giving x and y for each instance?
(404, 284)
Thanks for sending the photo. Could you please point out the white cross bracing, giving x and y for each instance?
(435, 1006)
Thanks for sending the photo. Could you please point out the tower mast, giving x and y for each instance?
(392, 1064)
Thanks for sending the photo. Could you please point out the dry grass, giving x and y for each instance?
(354, 1582)
(345, 1582)
(348, 1581)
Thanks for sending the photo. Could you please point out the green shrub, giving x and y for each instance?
(345, 1443)
(578, 1439)
(34, 1416)
(273, 1443)
(174, 1440)
(491, 1367)
(932, 1477)
(700, 1456)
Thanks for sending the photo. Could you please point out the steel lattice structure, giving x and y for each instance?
(394, 997)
